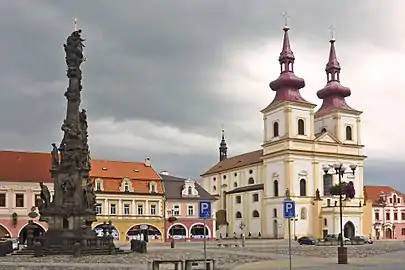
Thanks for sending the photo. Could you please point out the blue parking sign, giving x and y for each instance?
(289, 208)
(205, 209)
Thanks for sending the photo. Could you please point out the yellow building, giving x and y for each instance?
(298, 142)
(130, 194)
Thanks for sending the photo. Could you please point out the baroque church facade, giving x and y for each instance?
(298, 142)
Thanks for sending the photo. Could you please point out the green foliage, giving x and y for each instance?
(346, 189)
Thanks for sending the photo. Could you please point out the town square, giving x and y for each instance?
(189, 136)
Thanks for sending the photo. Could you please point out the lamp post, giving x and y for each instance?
(242, 227)
(340, 170)
(172, 219)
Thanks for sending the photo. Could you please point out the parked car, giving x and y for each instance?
(335, 238)
(362, 240)
(307, 240)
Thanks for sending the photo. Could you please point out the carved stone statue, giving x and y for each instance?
(287, 193)
(55, 156)
(90, 197)
(68, 185)
(317, 195)
(45, 195)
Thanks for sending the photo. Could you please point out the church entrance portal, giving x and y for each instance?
(349, 230)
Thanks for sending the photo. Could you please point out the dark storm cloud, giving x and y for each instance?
(155, 60)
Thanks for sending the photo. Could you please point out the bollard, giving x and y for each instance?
(76, 249)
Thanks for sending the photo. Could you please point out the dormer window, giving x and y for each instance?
(98, 185)
(190, 191)
(152, 188)
(126, 187)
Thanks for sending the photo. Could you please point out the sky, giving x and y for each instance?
(162, 77)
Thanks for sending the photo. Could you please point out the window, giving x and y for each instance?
(328, 202)
(395, 216)
(325, 222)
(235, 174)
(176, 210)
(251, 181)
(98, 186)
(387, 216)
(126, 209)
(399, 200)
(377, 216)
(301, 127)
(303, 187)
(152, 188)
(390, 200)
(153, 210)
(275, 129)
(3, 200)
(275, 187)
(349, 134)
(238, 199)
(403, 231)
(140, 209)
(327, 184)
(224, 176)
(255, 197)
(126, 187)
(255, 214)
(19, 200)
(235, 184)
(238, 215)
(98, 209)
(113, 209)
(190, 190)
(303, 213)
(38, 200)
(190, 210)
(395, 198)
(250, 171)
(403, 216)
(214, 188)
(275, 212)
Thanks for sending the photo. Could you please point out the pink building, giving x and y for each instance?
(388, 215)
(182, 202)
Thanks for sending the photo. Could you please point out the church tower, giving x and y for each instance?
(335, 116)
(289, 115)
(223, 148)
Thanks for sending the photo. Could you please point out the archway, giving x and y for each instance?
(177, 231)
(99, 230)
(388, 233)
(38, 231)
(349, 230)
(4, 232)
(197, 231)
(144, 232)
(275, 229)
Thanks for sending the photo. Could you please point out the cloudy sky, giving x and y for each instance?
(162, 76)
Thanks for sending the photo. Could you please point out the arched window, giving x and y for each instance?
(255, 197)
(251, 181)
(349, 135)
(301, 127)
(275, 212)
(303, 213)
(255, 213)
(238, 215)
(190, 190)
(275, 187)
(327, 184)
(395, 198)
(275, 129)
(238, 199)
(325, 222)
(126, 187)
(303, 187)
(214, 188)
(235, 184)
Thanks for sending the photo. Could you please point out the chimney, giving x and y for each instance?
(165, 173)
(147, 161)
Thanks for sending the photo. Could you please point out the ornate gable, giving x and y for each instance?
(327, 137)
(189, 189)
(126, 185)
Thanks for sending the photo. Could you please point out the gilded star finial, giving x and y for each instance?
(332, 32)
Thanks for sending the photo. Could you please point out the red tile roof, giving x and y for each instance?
(373, 192)
(34, 167)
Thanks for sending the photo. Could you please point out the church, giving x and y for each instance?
(299, 142)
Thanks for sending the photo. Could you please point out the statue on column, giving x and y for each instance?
(55, 156)
(45, 195)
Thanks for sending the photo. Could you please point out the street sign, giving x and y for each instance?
(289, 209)
(205, 209)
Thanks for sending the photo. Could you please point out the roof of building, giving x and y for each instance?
(373, 192)
(35, 167)
(234, 162)
(246, 189)
(174, 185)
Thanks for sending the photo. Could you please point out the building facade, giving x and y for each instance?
(387, 212)
(298, 142)
(182, 202)
(130, 194)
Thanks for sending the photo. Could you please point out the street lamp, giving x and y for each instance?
(172, 219)
(340, 170)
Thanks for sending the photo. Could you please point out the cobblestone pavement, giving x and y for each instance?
(226, 258)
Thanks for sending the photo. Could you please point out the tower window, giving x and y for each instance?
(255, 214)
(238, 214)
(301, 127)
(238, 199)
(275, 186)
(251, 181)
(349, 133)
(275, 129)
(303, 187)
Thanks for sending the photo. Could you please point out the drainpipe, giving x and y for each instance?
(164, 220)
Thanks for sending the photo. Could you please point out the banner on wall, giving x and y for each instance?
(115, 233)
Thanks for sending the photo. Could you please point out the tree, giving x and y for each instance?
(346, 189)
